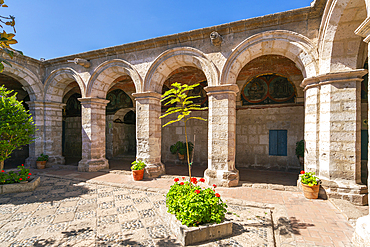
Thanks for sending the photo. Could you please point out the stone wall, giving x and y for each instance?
(252, 136)
(176, 132)
(73, 137)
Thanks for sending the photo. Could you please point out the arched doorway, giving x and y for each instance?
(197, 130)
(18, 156)
(270, 117)
(71, 126)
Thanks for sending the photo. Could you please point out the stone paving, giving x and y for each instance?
(66, 212)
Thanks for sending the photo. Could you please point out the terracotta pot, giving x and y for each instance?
(41, 164)
(181, 156)
(311, 192)
(138, 174)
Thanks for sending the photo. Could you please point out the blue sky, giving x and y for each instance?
(54, 28)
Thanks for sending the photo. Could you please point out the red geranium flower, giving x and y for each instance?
(214, 185)
(202, 180)
(182, 183)
(28, 177)
(2, 171)
(20, 178)
(29, 174)
(176, 179)
(302, 172)
(22, 165)
(217, 195)
(197, 191)
(183, 178)
(194, 180)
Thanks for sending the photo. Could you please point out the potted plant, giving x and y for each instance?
(180, 148)
(310, 184)
(138, 169)
(41, 161)
(299, 151)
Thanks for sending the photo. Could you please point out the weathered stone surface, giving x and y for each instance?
(18, 187)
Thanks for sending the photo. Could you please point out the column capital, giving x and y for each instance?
(364, 30)
(35, 103)
(147, 95)
(334, 77)
(54, 104)
(220, 89)
(90, 100)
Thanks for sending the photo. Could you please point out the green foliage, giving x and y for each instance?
(138, 165)
(193, 205)
(180, 147)
(299, 149)
(184, 104)
(309, 178)
(43, 157)
(16, 125)
(12, 177)
(6, 39)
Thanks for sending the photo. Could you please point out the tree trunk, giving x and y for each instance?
(1, 165)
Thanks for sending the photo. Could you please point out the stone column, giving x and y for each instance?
(53, 133)
(361, 237)
(37, 147)
(221, 136)
(148, 132)
(93, 134)
(311, 125)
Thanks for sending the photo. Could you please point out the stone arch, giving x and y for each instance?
(294, 46)
(98, 85)
(58, 80)
(339, 18)
(28, 79)
(173, 59)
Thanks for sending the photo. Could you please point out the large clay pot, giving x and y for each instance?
(311, 192)
(181, 156)
(138, 174)
(41, 164)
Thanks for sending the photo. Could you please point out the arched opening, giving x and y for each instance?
(121, 124)
(72, 125)
(269, 119)
(197, 130)
(18, 156)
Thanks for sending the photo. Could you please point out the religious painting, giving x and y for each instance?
(268, 89)
(118, 100)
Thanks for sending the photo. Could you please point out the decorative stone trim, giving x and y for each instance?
(18, 187)
(364, 30)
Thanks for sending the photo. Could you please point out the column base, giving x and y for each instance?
(92, 165)
(344, 190)
(154, 170)
(55, 160)
(30, 162)
(222, 178)
(361, 237)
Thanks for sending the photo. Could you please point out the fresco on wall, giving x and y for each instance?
(118, 100)
(268, 89)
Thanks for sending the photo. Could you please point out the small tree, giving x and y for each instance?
(183, 106)
(6, 39)
(16, 125)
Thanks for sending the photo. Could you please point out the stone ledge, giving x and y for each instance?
(17, 187)
(191, 235)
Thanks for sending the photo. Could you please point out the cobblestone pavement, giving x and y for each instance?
(66, 212)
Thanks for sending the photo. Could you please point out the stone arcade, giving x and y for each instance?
(268, 82)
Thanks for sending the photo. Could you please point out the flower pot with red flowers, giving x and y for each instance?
(41, 161)
(310, 184)
(138, 169)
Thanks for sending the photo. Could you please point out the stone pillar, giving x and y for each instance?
(37, 147)
(53, 133)
(311, 125)
(361, 237)
(93, 135)
(221, 136)
(148, 132)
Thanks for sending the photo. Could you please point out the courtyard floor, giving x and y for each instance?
(108, 208)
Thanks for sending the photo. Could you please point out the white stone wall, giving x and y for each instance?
(252, 136)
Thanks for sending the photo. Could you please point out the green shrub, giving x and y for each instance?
(193, 205)
(180, 147)
(309, 178)
(138, 165)
(299, 149)
(12, 177)
(43, 157)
